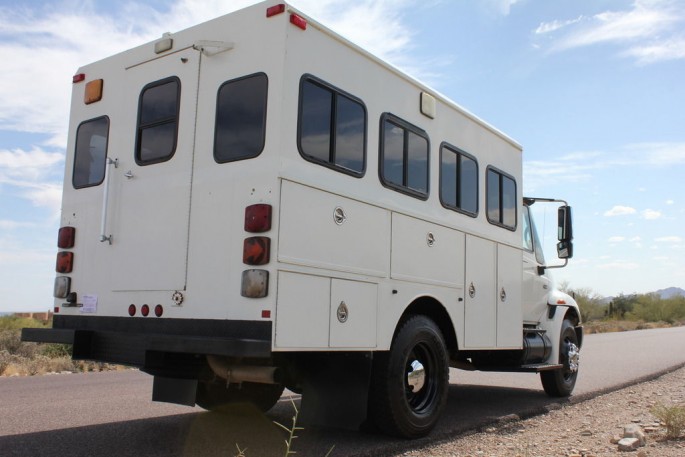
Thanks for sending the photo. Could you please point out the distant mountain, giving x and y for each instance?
(671, 292)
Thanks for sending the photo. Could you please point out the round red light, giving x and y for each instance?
(132, 310)
(159, 310)
(145, 310)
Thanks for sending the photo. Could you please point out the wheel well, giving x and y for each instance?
(433, 309)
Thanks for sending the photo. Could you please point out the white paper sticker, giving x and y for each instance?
(90, 304)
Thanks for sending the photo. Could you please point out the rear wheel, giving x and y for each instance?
(212, 395)
(560, 383)
(410, 382)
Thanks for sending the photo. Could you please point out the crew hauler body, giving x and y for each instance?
(255, 203)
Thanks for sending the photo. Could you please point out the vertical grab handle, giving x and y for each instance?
(105, 201)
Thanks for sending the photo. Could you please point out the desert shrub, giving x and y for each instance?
(673, 417)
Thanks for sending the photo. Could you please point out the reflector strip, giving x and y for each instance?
(274, 10)
(298, 21)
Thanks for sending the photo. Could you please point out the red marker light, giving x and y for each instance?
(266, 314)
(298, 21)
(274, 10)
(131, 310)
(145, 310)
(159, 310)
(78, 78)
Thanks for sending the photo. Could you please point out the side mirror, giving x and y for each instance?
(565, 249)
(565, 233)
(565, 225)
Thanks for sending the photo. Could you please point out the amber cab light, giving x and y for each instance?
(66, 237)
(258, 218)
(65, 262)
(93, 92)
(256, 250)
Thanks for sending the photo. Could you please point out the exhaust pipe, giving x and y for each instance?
(243, 373)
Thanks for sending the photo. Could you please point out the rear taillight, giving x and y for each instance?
(258, 218)
(65, 262)
(66, 237)
(256, 250)
(62, 287)
(254, 284)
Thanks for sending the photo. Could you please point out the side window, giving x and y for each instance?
(91, 152)
(501, 199)
(240, 118)
(403, 157)
(158, 121)
(458, 180)
(527, 230)
(332, 127)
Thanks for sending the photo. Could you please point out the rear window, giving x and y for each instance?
(158, 121)
(240, 118)
(91, 152)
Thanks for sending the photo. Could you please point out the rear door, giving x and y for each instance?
(148, 201)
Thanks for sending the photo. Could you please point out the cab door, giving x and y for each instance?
(150, 173)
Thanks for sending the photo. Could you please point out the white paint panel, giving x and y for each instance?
(310, 236)
(302, 311)
(360, 301)
(509, 297)
(414, 258)
(480, 313)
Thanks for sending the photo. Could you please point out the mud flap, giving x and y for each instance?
(174, 390)
(335, 390)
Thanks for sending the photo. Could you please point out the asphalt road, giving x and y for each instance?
(111, 413)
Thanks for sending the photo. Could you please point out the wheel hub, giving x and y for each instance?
(416, 376)
(573, 357)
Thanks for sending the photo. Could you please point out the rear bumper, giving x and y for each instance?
(131, 341)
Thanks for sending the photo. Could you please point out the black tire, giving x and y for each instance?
(402, 406)
(560, 383)
(213, 395)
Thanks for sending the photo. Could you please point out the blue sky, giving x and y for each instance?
(593, 90)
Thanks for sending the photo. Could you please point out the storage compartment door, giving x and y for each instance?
(509, 293)
(353, 314)
(480, 311)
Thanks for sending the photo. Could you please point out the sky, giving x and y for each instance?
(594, 90)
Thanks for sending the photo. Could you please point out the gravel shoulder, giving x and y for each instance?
(585, 429)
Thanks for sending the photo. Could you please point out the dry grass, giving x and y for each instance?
(609, 326)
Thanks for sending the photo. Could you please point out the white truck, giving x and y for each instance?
(255, 203)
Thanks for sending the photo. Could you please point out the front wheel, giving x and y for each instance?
(410, 382)
(560, 383)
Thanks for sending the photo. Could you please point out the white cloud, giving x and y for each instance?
(619, 265)
(30, 165)
(670, 202)
(13, 225)
(669, 239)
(620, 211)
(616, 239)
(649, 31)
(651, 214)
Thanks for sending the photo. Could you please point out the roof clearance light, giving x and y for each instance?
(66, 237)
(78, 78)
(93, 92)
(258, 218)
(298, 21)
(275, 10)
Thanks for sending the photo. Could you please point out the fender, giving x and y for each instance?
(559, 306)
